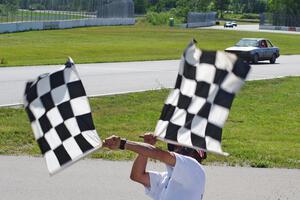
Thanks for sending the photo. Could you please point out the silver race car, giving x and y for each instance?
(255, 50)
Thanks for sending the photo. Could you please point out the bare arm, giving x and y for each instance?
(138, 171)
(145, 150)
(150, 151)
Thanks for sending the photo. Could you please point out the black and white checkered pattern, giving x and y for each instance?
(197, 108)
(60, 117)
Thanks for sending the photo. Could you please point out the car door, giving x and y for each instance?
(269, 50)
(264, 49)
(261, 50)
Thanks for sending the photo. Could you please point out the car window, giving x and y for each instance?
(263, 44)
(247, 43)
(269, 43)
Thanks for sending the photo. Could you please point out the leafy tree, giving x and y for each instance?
(221, 6)
(165, 5)
(289, 7)
(185, 6)
(140, 6)
(248, 6)
(8, 6)
(286, 13)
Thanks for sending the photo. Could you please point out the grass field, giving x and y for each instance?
(262, 130)
(121, 43)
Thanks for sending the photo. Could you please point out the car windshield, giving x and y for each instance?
(247, 43)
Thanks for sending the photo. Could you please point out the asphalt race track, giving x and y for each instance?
(249, 27)
(114, 78)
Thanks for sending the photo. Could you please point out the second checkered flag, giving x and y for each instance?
(197, 108)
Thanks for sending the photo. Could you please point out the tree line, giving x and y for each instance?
(235, 6)
(8, 6)
(290, 7)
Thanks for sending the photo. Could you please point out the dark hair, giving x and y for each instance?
(189, 152)
(198, 157)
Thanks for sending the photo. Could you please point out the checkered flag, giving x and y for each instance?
(60, 117)
(197, 108)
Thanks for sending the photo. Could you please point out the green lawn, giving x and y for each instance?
(121, 43)
(262, 130)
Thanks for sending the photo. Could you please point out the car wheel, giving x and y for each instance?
(255, 58)
(273, 59)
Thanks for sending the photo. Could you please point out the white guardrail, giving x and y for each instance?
(44, 25)
(279, 28)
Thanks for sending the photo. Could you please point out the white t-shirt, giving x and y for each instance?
(184, 181)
